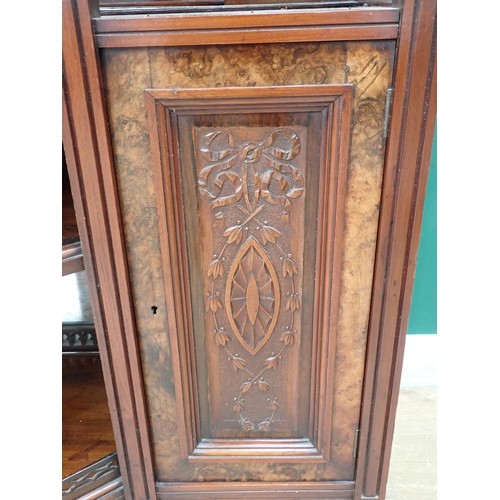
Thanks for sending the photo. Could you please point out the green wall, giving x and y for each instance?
(423, 310)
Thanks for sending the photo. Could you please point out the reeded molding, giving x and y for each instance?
(278, 26)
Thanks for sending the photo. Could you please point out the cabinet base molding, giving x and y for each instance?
(286, 450)
(263, 490)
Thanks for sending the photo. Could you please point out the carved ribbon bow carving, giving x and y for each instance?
(248, 169)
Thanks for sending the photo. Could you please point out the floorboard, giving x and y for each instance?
(87, 434)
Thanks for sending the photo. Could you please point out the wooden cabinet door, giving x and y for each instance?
(251, 209)
(243, 203)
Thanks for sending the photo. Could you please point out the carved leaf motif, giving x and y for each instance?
(238, 363)
(235, 233)
(221, 338)
(213, 303)
(246, 387)
(273, 405)
(271, 362)
(263, 386)
(269, 233)
(292, 303)
(216, 268)
(238, 407)
(289, 268)
(288, 338)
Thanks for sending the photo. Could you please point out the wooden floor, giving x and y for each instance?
(87, 435)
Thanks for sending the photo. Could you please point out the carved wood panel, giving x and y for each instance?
(250, 187)
(253, 175)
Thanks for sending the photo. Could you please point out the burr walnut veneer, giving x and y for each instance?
(249, 189)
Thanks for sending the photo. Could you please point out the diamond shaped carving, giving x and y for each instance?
(252, 296)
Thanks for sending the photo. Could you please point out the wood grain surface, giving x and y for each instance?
(127, 73)
(87, 434)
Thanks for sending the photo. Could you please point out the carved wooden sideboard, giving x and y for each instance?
(249, 185)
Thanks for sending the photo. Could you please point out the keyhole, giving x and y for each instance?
(154, 309)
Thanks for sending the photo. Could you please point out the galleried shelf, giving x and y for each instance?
(251, 179)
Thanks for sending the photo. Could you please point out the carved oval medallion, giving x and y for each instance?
(252, 296)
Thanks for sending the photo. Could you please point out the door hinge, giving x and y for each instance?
(355, 449)
(388, 103)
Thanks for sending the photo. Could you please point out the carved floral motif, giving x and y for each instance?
(253, 175)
